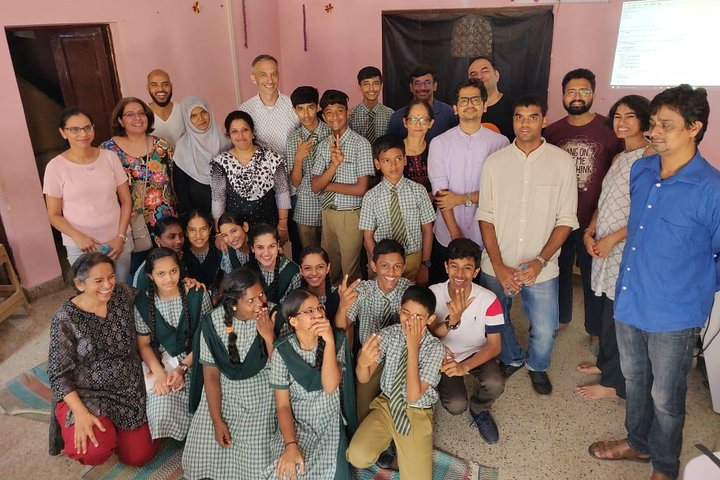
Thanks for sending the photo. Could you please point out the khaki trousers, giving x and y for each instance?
(309, 236)
(414, 451)
(342, 240)
(365, 393)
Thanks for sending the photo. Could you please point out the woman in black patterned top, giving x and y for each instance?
(418, 120)
(249, 179)
(95, 371)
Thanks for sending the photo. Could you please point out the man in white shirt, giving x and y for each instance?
(168, 119)
(469, 323)
(274, 119)
(527, 208)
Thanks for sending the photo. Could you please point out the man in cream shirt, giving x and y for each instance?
(527, 208)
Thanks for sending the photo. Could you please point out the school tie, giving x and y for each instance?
(370, 132)
(314, 138)
(327, 199)
(387, 313)
(397, 224)
(398, 405)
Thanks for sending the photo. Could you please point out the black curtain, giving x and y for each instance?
(521, 44)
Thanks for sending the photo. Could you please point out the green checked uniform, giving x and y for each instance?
(320, 425)
(248, 406)
(168, 415)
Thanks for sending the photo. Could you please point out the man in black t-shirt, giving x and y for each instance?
(499, 107)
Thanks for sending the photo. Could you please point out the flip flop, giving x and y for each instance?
(619, 449)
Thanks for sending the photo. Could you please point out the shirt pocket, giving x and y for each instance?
(679, 234)
(545, 200)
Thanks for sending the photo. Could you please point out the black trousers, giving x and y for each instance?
(608, 359)
(572, 252)
(190, 193)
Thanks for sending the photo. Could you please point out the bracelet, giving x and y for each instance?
(290, 443)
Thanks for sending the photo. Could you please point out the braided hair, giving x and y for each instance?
(256, 231)
(291, 307)
(152, 258)
(235, 284)
(316, 251)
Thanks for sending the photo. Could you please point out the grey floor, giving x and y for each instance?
(540, 437)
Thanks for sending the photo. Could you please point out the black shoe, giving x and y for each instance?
(508, 370)
(487, 426)
(387, 458)
(540, 382)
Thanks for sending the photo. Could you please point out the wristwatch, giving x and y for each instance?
(542, 261)
(468, 202)
(450, 326)
(427, 263)
(183, 367)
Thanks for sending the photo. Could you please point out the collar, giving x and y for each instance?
(534, 154)
(389, 185)
(692, 172)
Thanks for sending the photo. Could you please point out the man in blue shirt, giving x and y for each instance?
(423, 86)
(667, 280)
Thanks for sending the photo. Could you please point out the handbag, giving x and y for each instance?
(140, 231)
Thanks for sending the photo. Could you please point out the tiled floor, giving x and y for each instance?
(540, 437)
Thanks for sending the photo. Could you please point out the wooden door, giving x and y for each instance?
(86, 68)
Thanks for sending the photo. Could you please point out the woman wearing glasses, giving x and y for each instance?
(87, 195)
(418, 120)
(147, 160)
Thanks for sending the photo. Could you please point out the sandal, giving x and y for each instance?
(616, 450)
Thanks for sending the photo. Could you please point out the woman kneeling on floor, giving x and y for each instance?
(95, 375)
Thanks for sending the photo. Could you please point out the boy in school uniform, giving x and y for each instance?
(370, 118)
(376, 306)
(301, 148)
(402, 413)
(396, 208)
(341, 171)
(469, 323)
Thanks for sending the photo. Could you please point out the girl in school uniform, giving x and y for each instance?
(232, 229)
(279, 274)
(166, 318)
(311, 375)
(230, 432)
(201, 257)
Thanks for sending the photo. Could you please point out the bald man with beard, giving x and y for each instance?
(168, 119)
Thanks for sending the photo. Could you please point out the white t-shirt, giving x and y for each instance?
(483, 316)
(171, 129)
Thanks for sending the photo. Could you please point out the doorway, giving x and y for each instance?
(57, 67)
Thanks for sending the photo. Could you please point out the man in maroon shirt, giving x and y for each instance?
(585, 137)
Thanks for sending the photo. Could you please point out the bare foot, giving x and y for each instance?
(563, 326)
(596, 391)
(588, 369)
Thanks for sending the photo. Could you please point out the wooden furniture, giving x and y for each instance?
(11, 296)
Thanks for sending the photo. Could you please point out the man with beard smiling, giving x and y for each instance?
(168, 119)
(585, 137)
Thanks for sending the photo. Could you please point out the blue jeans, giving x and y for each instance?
(540, 304)
(656, 366)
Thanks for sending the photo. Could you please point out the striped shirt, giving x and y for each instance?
(415, 206)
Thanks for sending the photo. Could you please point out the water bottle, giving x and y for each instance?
(510, 292)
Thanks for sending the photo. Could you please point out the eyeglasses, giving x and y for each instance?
(423, 83)
(463, 101)
(313, 310)
(76, 130)
(583, 92)
(422, 120)
(131, 115)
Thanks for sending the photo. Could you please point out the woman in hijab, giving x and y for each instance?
(201, 142)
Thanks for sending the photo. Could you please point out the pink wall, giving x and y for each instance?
(342, 42)
(196, 49)
(193, 48)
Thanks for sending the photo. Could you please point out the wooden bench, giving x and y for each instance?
(11, 296)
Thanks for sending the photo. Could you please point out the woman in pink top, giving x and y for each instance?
(87, 195)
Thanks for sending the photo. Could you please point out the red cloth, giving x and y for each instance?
(134, 447)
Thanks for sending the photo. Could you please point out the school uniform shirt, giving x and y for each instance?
(226, 263)
(415, 206)
(359, 119)
(482, 317)
(357, 163)
(430, 357)
(307, 211)
(369, 308)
